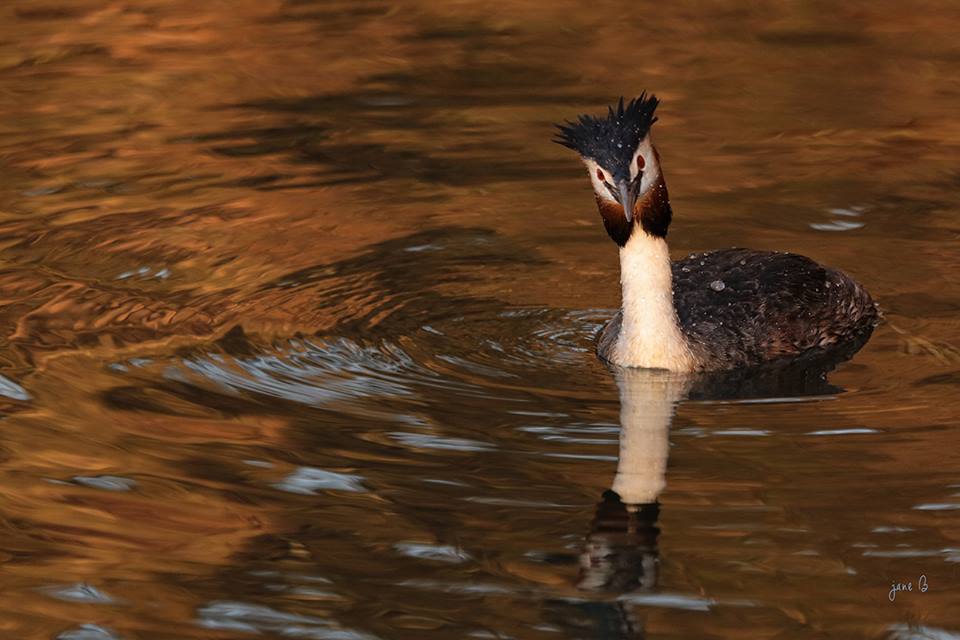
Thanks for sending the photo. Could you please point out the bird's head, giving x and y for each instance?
(624, 167)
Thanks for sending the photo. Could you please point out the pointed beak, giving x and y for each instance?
(626, 200)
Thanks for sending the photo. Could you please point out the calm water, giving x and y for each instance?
(297, 303)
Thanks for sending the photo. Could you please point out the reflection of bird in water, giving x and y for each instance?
(724, 309)
(621, 551)
(621, 554)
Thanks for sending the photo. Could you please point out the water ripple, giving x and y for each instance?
(309, 480)
(88, 632)
(253, 618)
(80, 592)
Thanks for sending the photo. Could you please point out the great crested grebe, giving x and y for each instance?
(727, 309)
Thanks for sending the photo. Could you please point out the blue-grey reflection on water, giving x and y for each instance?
(239, 616)
(87, 632)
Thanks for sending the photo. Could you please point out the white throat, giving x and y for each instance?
(650, 335)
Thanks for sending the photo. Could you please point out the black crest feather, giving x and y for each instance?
(611, 141)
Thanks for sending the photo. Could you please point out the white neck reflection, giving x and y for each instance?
(648, 401)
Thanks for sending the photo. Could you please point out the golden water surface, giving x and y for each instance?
(297, 301)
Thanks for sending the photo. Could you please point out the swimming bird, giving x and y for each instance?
(726, 309)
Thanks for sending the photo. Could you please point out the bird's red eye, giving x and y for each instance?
(640, 162)
(600, 175)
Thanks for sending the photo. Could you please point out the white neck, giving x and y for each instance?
(648, 400)
(650, 335)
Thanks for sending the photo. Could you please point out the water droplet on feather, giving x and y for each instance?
(718, 285)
